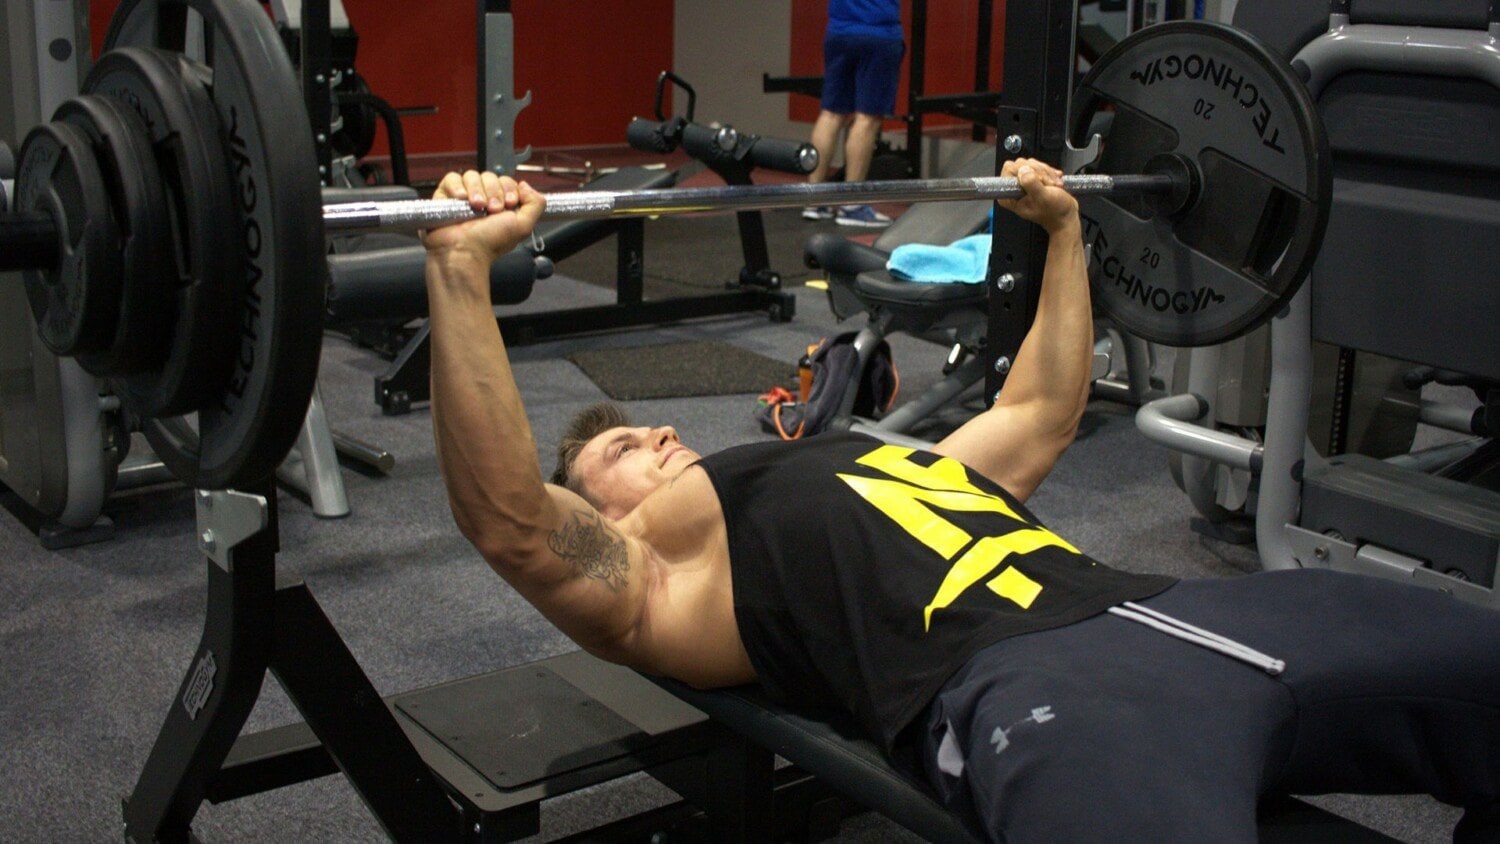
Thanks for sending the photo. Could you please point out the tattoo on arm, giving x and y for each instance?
(592, 548)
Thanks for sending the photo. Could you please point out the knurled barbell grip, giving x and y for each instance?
(585, 205)
(31, 241)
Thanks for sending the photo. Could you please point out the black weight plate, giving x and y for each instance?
(75, 301)
(135, 192)
(206, 272)
(1237, 115)
(250, 422)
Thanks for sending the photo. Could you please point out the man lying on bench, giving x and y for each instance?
(1038, 690)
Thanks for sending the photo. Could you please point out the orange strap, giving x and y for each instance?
(776, 417)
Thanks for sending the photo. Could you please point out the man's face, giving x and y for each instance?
(622, 466)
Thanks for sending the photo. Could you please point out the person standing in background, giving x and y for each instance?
(862, 51)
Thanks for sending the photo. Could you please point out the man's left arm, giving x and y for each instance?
(1017, 441)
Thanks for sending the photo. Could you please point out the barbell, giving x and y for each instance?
(73, 245)
(170, 226)
(412, 214)
(38, 240)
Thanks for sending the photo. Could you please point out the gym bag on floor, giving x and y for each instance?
(830, 363)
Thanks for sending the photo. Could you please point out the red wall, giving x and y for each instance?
(949, 66)
(590, 65)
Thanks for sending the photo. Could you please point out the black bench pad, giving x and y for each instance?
(831, 751)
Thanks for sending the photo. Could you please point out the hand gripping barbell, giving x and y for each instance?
(170, 227)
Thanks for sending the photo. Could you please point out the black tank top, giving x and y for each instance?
(866, 574)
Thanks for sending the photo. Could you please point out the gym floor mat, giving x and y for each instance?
(700, 368)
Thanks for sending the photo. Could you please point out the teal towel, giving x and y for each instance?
(963, 260)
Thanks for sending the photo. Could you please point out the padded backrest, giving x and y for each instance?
(1407, 268)
(941, 223)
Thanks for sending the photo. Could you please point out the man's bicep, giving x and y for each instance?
(1005, 444)
(590, 578)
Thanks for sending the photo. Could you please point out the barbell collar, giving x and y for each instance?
(413, 214)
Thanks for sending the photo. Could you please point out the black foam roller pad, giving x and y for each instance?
(385, 284)
(653, 136)
(783, 155)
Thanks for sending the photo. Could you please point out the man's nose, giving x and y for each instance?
(664, 436)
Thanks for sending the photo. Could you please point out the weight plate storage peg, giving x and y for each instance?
(1215, 101)
(76, 298)
(255, 405)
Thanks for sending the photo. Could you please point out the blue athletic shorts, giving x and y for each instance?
(860, 74)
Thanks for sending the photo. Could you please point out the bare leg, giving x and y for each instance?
(825, 137)
(859, 147)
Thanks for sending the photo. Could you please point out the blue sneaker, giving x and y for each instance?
(860, 215)
(817, 212)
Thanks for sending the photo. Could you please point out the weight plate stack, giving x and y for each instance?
(76, 300)
(182, 126)
(134, 189)
(250, 415)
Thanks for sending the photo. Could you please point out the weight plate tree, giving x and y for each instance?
(170, 224)
(1215, 100)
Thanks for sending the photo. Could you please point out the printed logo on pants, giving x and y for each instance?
(1000, 738)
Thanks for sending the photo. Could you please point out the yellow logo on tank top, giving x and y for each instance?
(912, 496)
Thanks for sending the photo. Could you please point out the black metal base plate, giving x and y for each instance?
(663, 729)
(521, 726)
(49, 533)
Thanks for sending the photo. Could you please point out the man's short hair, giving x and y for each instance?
(587, 424)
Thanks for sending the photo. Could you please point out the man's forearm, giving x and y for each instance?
(484, 441)
(1051, 371)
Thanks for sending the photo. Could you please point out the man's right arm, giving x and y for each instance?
(556, 550)
(1019, 439)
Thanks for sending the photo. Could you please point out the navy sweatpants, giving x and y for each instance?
(1111, 730)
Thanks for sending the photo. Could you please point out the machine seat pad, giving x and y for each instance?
(880, 288)
(841, 256)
